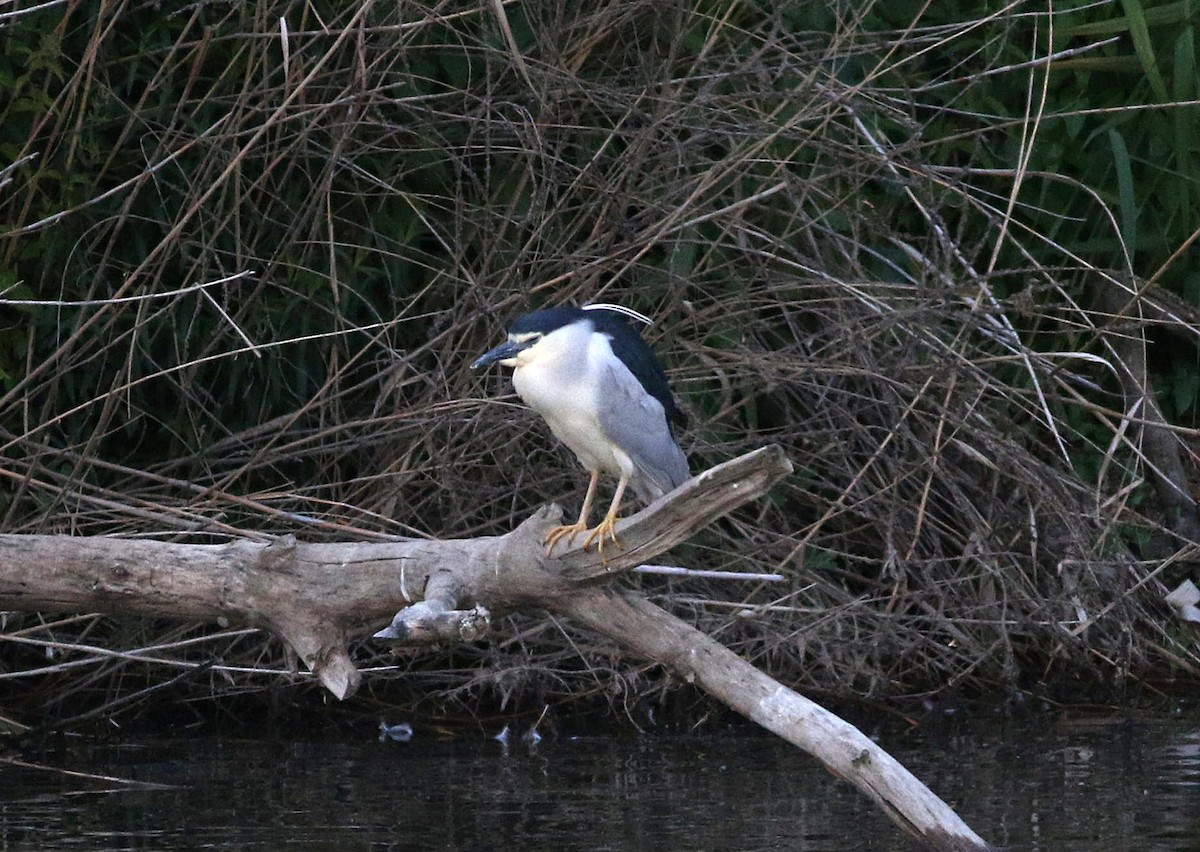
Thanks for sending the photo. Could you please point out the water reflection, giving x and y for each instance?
(1111, 787)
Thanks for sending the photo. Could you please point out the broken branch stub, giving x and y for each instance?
(423, 625)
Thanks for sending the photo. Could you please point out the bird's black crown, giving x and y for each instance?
(625, 339)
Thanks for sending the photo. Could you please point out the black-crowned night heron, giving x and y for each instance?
(604, 394)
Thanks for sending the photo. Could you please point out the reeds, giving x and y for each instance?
(251, 250)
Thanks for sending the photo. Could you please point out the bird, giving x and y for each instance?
(602, 391)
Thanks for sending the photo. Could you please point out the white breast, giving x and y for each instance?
(551, 383)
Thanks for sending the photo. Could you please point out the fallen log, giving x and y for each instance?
(315, 596)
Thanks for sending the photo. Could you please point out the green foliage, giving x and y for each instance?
(268, 238)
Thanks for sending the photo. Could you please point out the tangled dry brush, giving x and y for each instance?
(252, 249)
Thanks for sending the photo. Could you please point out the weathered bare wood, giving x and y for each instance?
(315, 596)
(425, 625)
(638, 625)
(677, 516)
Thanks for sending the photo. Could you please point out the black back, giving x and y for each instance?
(627, 344)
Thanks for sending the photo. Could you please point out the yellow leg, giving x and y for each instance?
(571, 530)
(608, 526)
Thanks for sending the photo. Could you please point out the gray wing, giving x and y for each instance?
(635, 422)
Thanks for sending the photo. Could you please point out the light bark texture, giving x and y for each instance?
(316, 596)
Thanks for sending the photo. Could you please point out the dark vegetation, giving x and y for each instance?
(248, 250)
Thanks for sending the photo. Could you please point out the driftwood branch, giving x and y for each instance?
(316, 596)
(642, 627)
(677, 516)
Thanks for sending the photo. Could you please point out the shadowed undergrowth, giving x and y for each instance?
(250, 250)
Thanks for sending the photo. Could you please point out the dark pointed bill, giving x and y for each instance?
(505, 350)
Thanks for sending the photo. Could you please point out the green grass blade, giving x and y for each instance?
(1139, 31)
(1185, 87)
(1128, 203)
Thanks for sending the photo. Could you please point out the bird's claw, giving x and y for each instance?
(607, 527)
(557, 534)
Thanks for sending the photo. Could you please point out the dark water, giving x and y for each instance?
(1038, 786)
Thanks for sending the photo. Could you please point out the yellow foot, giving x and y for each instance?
(607, 527)
(558, 533)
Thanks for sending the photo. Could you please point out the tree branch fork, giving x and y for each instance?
(316, 596)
